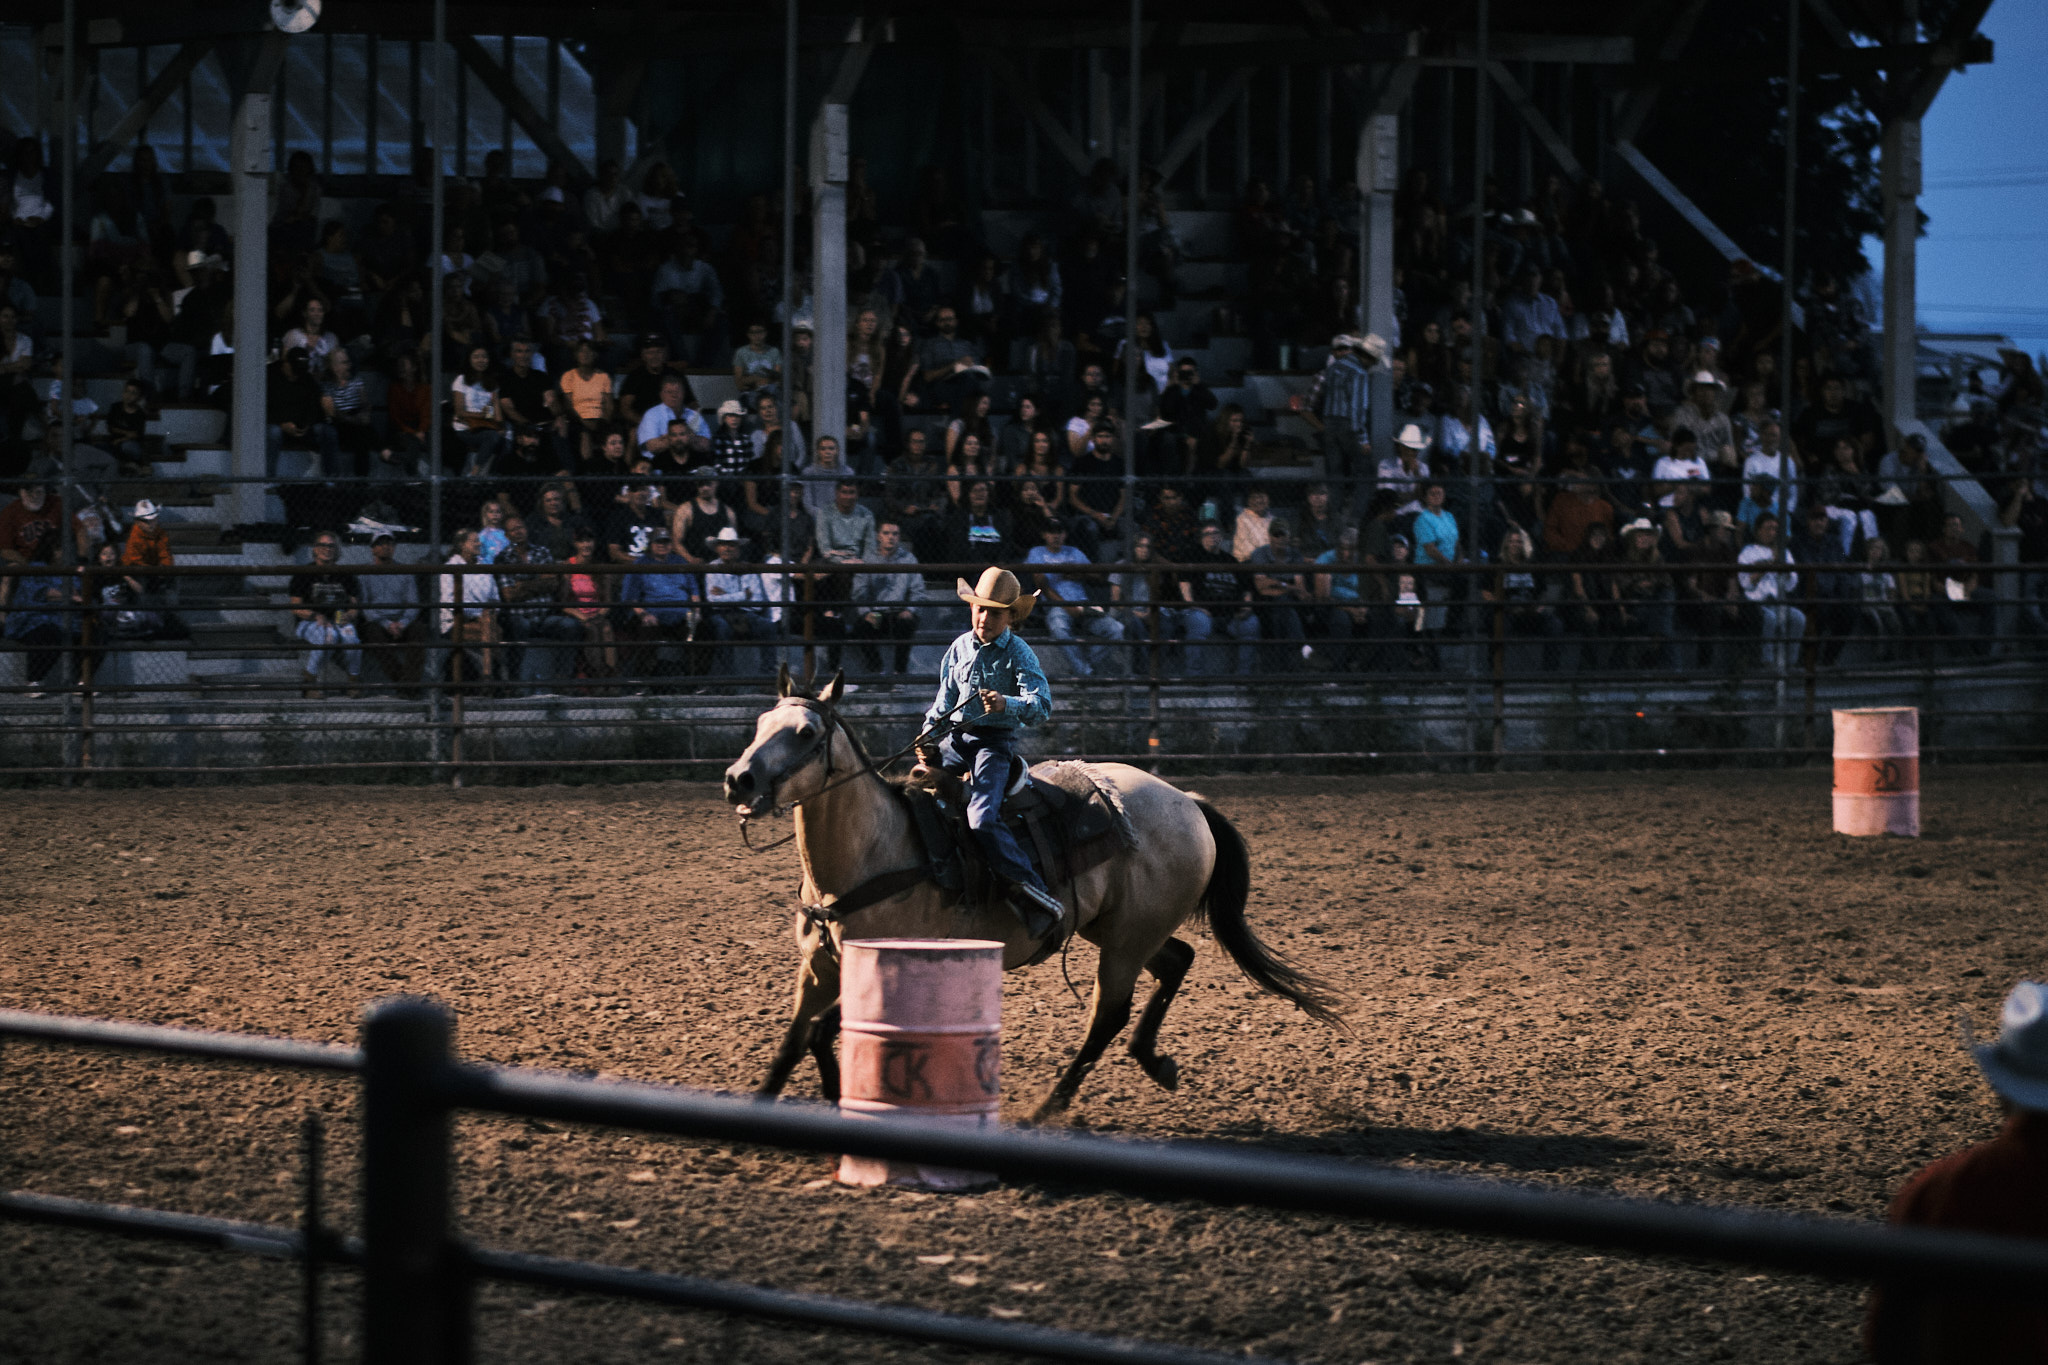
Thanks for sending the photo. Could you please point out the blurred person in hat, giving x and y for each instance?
(1998, 1187)
(1704, 413)
(148, 545)
(1336, 405)
(990, 687)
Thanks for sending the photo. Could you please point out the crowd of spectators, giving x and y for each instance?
(1622, 469)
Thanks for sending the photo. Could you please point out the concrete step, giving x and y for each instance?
(197, 535)
(188, 461)
(1212, 278)
(1275, 389)
(186, 425)
(218, 636)
(1221, 357)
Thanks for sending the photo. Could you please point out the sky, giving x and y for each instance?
(1984, 153)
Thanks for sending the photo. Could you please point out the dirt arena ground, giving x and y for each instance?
(1680, 986)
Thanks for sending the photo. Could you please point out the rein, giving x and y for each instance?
(883, 885)
(834, 722)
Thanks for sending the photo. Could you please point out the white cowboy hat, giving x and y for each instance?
(731, 408)
(1411, 436)
(2017, 1064)
(727, 533)
(1639, 524)
(145, 510)
(1707, 377)
(1374, 345)
(1343, 341)
(998, 588)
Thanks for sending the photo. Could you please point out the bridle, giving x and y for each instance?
(834, 723)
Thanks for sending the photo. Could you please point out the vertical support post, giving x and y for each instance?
(1031, 131)
(438, 282)
(372, 86)
(828, 275)
(1283, 128)
(788, 330)
(1475, 453)
(1899, 182)
(313, 1231)
(1134, 359)
(1482, 158)
(415, 1309)
(987, 121)
(67, 270)
(1446, 134)
(1325, 96)
(1200, 100)
(1567, 104)
(1786, 284)
(1101, 115)
(1379, 171)
(1243, 141)
(457, 657)
(250, 153)
(327, 104)
(1525, 150)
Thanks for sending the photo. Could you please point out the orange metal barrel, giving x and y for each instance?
(1877, 771)
(921, 1031)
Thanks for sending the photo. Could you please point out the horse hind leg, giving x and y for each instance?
(1169, 967)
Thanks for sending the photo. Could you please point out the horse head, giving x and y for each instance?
(790, 757)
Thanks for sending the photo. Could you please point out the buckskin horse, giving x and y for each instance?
(866, 875)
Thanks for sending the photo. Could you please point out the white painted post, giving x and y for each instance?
(249, 155)
(828, 276)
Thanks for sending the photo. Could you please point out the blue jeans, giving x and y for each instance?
(1209, 660)
(1064, 625)
(324, 636)
(982, 758)
(740, 623)
(1781, 628)
(549, 652)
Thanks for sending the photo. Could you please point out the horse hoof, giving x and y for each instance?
(1051, 1107)
(1164, 1070)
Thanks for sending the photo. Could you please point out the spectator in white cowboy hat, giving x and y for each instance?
(1704, 414)
(1404, 472)
(1998, 1187)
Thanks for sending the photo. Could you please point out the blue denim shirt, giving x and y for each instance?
(1006, 665)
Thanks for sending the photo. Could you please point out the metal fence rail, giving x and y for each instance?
(419, 1276)
(1460, 678)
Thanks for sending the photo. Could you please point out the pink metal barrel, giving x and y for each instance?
(920, 1031)
(1877, 771)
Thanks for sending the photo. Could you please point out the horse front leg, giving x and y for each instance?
(817, 991)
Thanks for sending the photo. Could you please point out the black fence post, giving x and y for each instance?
(415, 1295)
(314, 1230)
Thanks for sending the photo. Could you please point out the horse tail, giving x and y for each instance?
(1223, 903)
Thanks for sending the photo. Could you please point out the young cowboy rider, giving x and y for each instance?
(996, 675)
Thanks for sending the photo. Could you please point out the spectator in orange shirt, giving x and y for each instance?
(1565, 525)
(588, 391)
(1998, 1187)
(149, 545)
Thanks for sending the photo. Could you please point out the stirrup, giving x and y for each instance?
(1041, 912)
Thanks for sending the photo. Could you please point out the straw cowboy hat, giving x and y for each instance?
(2017, 1064)
(998, 588)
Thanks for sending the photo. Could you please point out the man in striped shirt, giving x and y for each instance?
(1336, 406)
